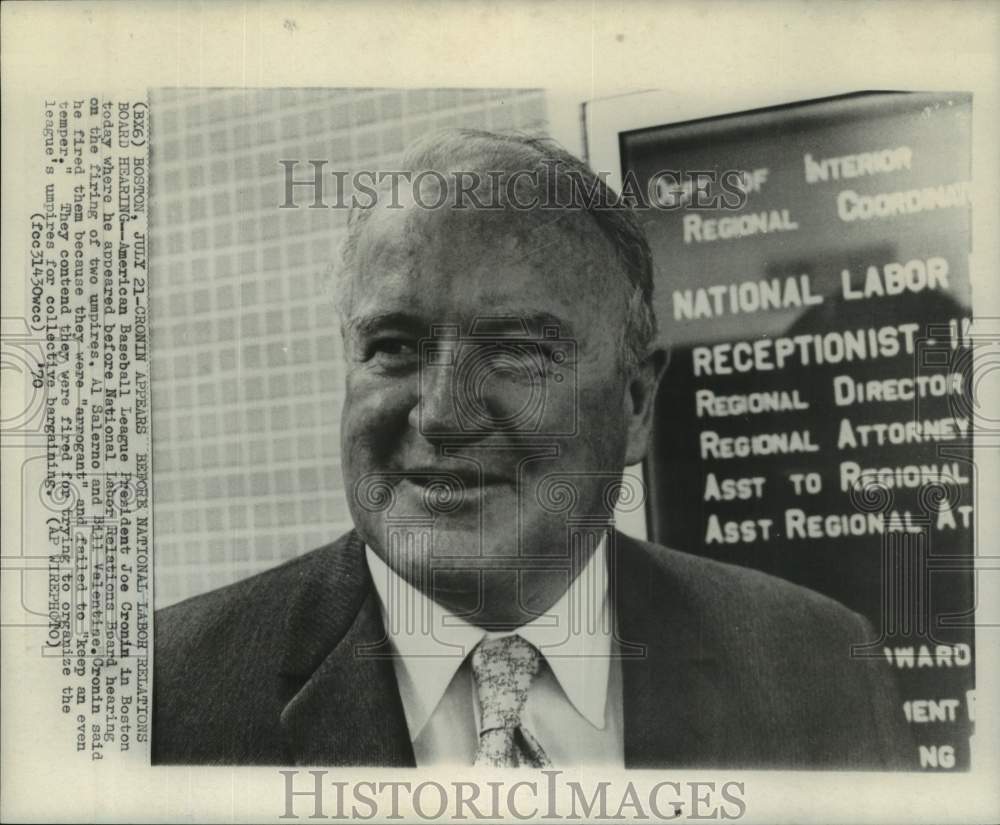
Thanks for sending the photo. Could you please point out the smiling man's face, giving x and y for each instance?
(524, 381)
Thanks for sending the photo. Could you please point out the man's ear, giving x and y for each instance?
(640, 396)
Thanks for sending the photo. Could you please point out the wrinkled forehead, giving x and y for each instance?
(564, 249)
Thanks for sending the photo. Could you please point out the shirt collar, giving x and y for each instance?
(574, 636)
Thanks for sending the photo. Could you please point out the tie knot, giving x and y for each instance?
(503, 669)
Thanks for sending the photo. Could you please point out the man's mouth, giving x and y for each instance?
(457, 477)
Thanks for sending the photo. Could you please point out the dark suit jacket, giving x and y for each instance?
(735, 669)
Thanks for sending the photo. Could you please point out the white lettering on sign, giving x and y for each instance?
(705, 230)
(746, 297)
(853, 474)
(736, 532)
(851, 436)
(802, 525)
(946, 516)
(937, 756)
(879, 162)
(854, 207)
(741, 446)
(730, 489)
(766, 354)
(708, 404)
(896, 278)
(909, 657)
(923, 711)
(752, 181)
(847, 391)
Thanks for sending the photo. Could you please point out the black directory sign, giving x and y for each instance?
(814, 419)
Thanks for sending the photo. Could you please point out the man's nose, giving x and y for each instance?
(435, 410)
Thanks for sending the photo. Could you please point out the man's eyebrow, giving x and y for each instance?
(534, 320)
(502, 321)
(498, 306)
(363, 325)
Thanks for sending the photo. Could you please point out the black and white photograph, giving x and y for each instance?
(487, 362)
(493, 413)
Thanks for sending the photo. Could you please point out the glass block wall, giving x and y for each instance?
(246, 374)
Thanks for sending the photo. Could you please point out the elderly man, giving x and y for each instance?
(501, 367)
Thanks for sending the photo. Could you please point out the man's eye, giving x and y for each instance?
(392, 348)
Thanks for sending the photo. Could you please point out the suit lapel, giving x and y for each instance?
(343, 705)
(671, 674)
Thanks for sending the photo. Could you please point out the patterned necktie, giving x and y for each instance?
(503, 669)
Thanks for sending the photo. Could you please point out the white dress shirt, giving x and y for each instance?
(574, 705)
